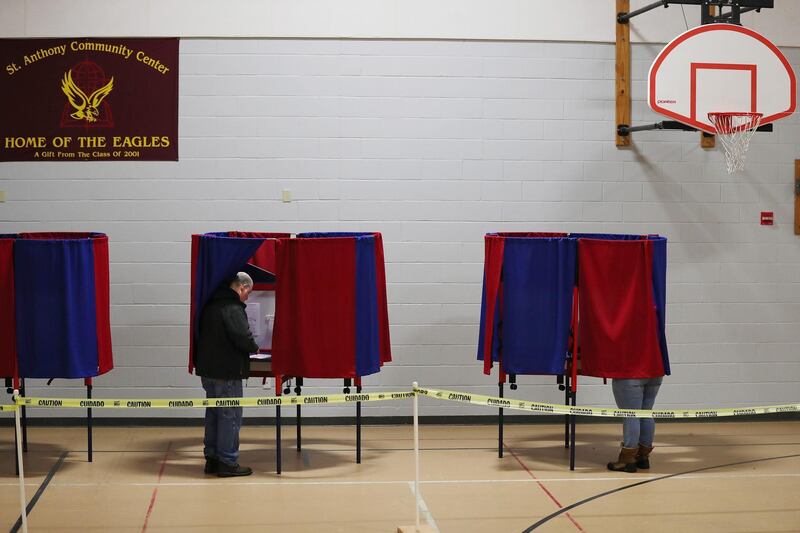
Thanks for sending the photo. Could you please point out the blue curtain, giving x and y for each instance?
(534, 312)
(55, 306)
(219, 258)
(368, 355)
(538, 281)
(660, 293)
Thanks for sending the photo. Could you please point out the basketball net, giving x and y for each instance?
(735, 131)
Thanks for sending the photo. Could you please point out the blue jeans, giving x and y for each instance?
(223, 423)
(636, 394)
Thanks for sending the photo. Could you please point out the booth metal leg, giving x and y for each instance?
(23, 417)
(89, 424)
(500, 388)
(567, 385)
(299, 424)
(299, 421)
(572, 435)
(278, 438)
(358, 427)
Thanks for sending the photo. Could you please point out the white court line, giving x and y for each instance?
(687, 477)
(423, 507)
(627, 478)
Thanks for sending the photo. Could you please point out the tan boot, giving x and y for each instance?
(643, 457)
(626, 461)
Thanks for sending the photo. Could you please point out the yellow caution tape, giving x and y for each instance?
(268, 401)
(476, 399)
(557, 409)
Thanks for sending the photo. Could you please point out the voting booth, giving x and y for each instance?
(570, 304)
(318, 308)
(331, 319)
(54, 309)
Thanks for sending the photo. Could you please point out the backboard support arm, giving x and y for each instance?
(623, 130)
(737, 7)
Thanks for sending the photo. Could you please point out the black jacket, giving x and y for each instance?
(225, 338)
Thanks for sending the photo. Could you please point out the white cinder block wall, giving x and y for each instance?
(434, 143)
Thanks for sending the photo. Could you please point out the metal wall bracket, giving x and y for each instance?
(624, 130)
(733, 15)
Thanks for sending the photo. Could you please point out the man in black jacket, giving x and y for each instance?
(223, 360)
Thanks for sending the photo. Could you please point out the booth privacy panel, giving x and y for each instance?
(618, 318)
(216, 258)
(619, 281)
(534, 299)
(61, 305)
(330, 318)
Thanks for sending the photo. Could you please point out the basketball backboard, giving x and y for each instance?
(721, 68)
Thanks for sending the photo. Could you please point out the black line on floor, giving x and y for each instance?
(40, 491)
(632, 485)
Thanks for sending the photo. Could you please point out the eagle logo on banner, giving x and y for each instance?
(86, 107)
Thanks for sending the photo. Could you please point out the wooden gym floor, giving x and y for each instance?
(732, 477)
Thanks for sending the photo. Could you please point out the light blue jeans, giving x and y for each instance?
(223, 423)
(636, 394)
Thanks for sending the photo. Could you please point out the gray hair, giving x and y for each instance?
(243, 279)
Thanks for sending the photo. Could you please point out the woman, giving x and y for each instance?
(637, 433)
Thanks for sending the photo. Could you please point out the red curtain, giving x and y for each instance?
(618, 322)
(315, 322)
(105, 359)
(493, 266)
(8, 341)
(383, 311)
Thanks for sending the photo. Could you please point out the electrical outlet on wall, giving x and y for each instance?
(267, 384)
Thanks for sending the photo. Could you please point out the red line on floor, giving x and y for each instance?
(541, 486)
(155, 489)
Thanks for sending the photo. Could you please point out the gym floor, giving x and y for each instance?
(705, 476)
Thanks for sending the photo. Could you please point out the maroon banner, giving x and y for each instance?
(87, 99)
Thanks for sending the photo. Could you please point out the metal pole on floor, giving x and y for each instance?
(414, 385)
(358, 424)
(567, 385)
(89, 423)
(22, 499)
(500, 422)
(278, 438)
(299, 420)
(24, 415)
(572, 434)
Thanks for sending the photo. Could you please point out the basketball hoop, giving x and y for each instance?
(735, 131)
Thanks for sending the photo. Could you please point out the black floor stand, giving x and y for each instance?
(358, 426)
(299, 421)
(569, 420)
(500, 388)
(347, 383)
(278, 439)
(89, 422)
(299, 439)
(287, 389)
(23, 417)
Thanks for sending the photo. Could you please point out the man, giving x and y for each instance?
(223, 360)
